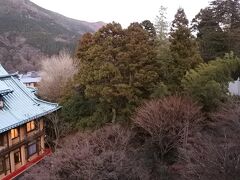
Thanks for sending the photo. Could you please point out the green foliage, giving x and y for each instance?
(117, 67)
(208, 83)
(97, 119)
(82, 112)
(76, 107)
(161, 90)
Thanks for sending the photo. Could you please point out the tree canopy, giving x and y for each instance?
(118, 66)
(218, 29)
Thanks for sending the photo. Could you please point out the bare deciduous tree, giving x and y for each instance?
(116, 152)
(101, 154)
(214, 152)
(211, 159)
(56, 71)
(168, 120)
(57, 128)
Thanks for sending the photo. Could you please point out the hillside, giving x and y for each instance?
(28, 32)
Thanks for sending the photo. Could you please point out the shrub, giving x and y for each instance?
(208, 83)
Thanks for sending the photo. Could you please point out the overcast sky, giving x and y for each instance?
(122, 11)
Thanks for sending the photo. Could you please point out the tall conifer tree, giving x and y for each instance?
(183, 47)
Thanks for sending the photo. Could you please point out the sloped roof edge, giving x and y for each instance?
(29, 119)
(21, 105)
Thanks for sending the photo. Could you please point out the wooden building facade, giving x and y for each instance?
(21, 123)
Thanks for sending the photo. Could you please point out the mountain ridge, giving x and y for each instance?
(32, 32)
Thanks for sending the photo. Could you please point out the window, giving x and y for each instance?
(32, 149)
(30, 126)
(17, 157)
(14, 133)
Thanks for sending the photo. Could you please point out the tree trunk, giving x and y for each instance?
(113, 115)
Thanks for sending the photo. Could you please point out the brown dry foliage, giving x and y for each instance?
(169, 120)
(116, 152)
(168, 116)
(113, 152)
(98, 155)
(209, 159)
(215, 151)
(228, 115)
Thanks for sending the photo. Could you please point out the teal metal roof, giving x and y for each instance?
(20, 105)
(4, 88)
(2, 71)
(32, 89)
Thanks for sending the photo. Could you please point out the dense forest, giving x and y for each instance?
(148, 101)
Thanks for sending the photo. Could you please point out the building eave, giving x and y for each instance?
(29, 119)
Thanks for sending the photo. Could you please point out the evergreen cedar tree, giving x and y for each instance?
(218, 29)
(117, 67)
(183, 48)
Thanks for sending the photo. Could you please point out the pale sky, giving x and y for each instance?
(121, 11)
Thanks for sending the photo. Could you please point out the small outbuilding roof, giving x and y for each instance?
(30, 77)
